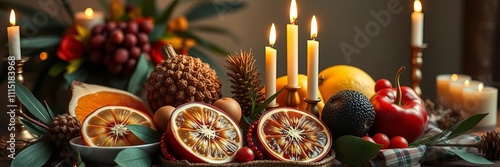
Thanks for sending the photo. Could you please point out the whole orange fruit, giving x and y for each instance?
(344, 77)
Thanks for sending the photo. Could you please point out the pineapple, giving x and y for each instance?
(244, 77)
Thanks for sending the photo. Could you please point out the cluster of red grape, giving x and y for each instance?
(118, 45)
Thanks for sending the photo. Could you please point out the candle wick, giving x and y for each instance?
(272, 45)
(294, 21)
(314, 38)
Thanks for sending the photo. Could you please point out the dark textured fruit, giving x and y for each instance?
(348, 112)
(64, 128)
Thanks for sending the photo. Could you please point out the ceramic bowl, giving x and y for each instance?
(105, 156)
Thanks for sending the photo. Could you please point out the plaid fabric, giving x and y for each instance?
(415, 156)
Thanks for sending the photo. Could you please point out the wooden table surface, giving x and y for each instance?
(4, 163)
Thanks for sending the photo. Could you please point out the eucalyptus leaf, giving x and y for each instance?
(158, 31)
(215, 30)
(49, 111)
(78, 75)
(133, 157)
(165, 16)
(33, 128)
(35, 155)
(466, 125)
(144, 133)
(140, 74)
(204, 43)
(353, 150)
(469, 157)
(40, 42)
(212, 8)
(32, 104)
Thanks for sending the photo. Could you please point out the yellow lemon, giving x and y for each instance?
(344, 77)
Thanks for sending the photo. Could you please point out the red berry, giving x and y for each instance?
(245, 154)
(382, 84)
(381, 138)
(398, 142)
(368, 138)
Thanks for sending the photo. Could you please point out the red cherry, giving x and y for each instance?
(245, 154)
(368, 138)
(382, 84)
(381, 138)
(398, 142)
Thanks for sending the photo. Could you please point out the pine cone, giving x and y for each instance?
(450, 118)
(244, 77)
(64, 128)
(490, 145)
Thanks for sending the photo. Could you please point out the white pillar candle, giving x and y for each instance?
(481, 100)
(89, 18)
(312, 62)
(443, 87)
(417, 24)
(455, 91)
(271, 66)
(292, 47)
(14, 37)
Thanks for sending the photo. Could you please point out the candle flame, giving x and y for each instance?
(466, 83)
(480, 87)
(12, 17)
(454, 77)
(293, 12)
(314, 28)
(89, 12)
(272, 35)
(417, 6)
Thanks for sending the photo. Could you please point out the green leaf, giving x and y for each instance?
(33, 128)
(148, 8)
(469, 157)
(32, 104)
(144, 133)
(79, 75)
(35, 155)
(215, 30)
(140, 74)
(133, 157)
(165, 16)
(268, 100)
(466, 125)
(212, 8)
(353, 150)
(57, 69)
(49, 111)
(40, 42)
(204, 43)
(158, 31)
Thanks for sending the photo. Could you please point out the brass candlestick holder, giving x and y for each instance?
(312, 106)
(292, 97)
(17, 136)
(416, 63)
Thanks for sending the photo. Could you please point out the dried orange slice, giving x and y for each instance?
(86, 98)
(107, 126)
(290, 134)
(199, 132)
